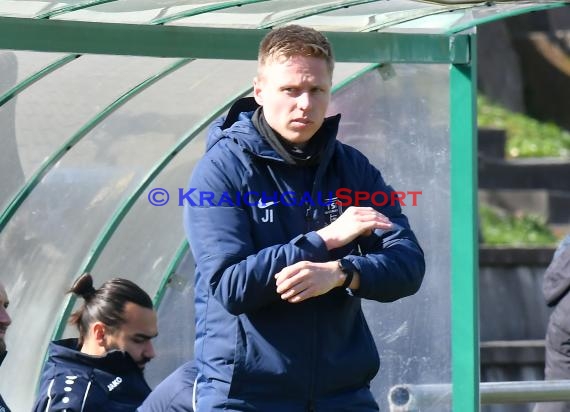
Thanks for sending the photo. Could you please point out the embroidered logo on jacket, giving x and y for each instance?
(333, 209)
(116, 382)
(262, 204)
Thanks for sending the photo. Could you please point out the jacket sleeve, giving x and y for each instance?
(391, 264)
(64, 393)
(556, 281)
(240, 277)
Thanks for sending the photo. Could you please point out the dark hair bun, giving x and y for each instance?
(84, 286)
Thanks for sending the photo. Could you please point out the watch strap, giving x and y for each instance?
(348, 269)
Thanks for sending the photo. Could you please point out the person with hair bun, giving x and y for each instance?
(102, 369)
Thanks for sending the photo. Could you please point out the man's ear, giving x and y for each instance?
(99, 331)
(257, 90)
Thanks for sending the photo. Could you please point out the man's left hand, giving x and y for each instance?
(304, 280)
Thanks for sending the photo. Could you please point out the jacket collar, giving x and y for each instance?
(115, 361)
(237, 125)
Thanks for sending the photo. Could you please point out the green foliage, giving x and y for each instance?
(499, 228)
(526, 137)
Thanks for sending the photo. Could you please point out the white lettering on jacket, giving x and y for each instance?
(116, 382)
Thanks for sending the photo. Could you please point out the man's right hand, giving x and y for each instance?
(354, 222)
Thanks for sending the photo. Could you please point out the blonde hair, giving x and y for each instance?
(294, 40)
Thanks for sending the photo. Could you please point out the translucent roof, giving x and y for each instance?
(344, 15)
(104, 100)
(224, 28)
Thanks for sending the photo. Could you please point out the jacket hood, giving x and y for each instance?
(238, 126)
(115, 361)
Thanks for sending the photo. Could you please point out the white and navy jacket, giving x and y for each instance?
(75, 382)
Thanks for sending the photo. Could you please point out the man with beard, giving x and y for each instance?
(102, 370)
(4, 323)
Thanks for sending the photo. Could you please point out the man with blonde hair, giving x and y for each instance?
(281, 266)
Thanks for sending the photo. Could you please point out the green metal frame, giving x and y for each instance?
(25, 191)
(464, 240)
(170, 270)
(216, 43)
(24, 84)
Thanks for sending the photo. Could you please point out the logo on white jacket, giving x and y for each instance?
(116, 382)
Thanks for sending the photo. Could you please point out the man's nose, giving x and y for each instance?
(304, 101)
(149, 351)
(4, 317)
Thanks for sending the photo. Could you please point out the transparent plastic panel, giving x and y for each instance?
(404, 16)
(432, 24)
(398, 116)
(43, 245)
(358, 17)
(48, 113)
(16, 66)
(175, 343)
(25, 8)
(135, 11)
(249, 15)
(22, 8)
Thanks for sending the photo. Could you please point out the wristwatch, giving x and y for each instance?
(348, 269)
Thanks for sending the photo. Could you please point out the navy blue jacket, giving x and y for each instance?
(255, 351)
(173, 394)
(75, 382)
(3, 406)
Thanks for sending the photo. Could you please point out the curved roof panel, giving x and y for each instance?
(231, 28)
(342, 15)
